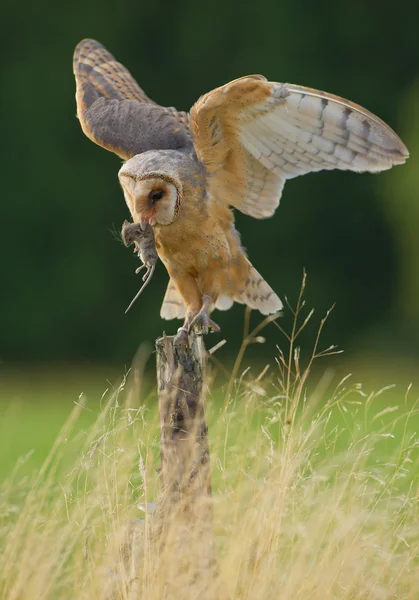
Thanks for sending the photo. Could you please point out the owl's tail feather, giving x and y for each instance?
(173, 306)
(258, 294)
(255, 293)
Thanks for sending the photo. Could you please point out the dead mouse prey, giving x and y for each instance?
(145, 249)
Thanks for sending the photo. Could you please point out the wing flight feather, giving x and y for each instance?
(114, 111)
(252, 135)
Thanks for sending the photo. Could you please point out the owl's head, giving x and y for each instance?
(152, 192)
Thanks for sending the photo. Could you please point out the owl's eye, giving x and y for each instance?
(154, 196)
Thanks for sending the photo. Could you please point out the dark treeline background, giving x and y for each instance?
(65, 280)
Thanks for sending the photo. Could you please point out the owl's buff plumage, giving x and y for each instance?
(236, 148)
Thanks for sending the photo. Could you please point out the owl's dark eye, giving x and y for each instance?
(154, 196)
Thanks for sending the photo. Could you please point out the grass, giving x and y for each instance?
(315, 495)
(35, 403)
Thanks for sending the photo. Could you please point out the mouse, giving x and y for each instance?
(144, 247)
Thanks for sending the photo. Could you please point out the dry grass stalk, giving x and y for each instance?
(314, 496)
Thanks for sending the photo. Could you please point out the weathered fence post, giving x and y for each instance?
(185, 466)
(174, 549)
(184, 508)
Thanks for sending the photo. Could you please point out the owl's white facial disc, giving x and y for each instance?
(152, 199)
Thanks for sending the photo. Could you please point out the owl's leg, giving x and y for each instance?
(188, 289)
(203, 317)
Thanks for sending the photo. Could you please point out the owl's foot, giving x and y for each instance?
(182, 337)
(203, 322)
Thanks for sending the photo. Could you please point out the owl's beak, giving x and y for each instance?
(148, 219)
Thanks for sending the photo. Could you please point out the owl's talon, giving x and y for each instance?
(182, 337)
(215, 328)
(204, 323)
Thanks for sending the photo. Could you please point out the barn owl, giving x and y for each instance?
(184, 172)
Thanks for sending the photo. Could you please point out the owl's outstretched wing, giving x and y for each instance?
(115, 113)
(252, 135)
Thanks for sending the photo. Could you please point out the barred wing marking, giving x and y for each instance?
(252, 135)
(114, 111)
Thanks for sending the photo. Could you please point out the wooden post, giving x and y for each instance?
(184, 509)
(178, 543)
(184, 433)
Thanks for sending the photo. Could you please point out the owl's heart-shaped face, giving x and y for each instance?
(152, 199)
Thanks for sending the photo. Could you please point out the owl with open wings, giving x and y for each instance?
(183, 172)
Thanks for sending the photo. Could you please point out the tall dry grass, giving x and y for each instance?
(313, 497)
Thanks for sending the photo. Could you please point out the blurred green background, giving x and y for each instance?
(66, 281)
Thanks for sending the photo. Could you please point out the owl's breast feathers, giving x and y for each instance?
(203, 243)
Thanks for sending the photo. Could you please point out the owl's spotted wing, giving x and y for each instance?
(252, 135)
(115, 113)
